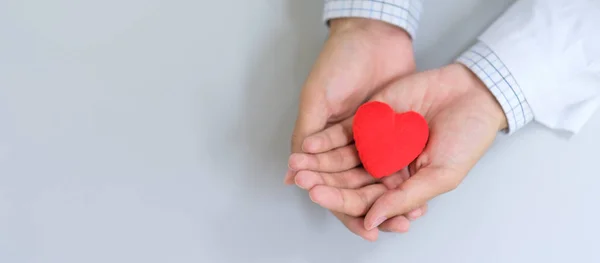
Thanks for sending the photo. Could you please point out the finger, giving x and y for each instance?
(338, 160)
(416, 191)
(417, 213)
(312, 116)
(401, 224)
(289, 177)
(350, 179)
(356, 226)
(353, 202)
(394, 181)
(397, 224)
(337, 135)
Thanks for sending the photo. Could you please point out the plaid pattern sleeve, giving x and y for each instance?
(482, 60)
(402, 13)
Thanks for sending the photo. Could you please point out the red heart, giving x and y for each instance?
(387, 141)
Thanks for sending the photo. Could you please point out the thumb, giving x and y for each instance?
(426, 184)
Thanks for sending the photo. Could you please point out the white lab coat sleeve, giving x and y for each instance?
(541, 59)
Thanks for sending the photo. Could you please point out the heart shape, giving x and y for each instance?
(387, 141)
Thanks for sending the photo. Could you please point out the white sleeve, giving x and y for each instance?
(403, 13)
(541, 59)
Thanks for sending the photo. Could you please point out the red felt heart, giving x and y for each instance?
(387, 141)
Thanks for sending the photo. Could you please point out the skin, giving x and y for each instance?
(359, 58)
(464, 119)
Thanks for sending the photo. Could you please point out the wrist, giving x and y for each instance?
(372, 26)
(485, 99)
(388, 46)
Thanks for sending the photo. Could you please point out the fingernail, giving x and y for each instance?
(298, 160)
(310, 195)
(298, 181)
(377, 222)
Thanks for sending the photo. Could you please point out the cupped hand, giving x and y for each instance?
(359, 57)
(331, 172)
(464, 118)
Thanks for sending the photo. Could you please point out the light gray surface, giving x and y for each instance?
(157, 131)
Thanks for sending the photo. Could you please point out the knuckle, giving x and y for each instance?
(352, 208)
(361, 206)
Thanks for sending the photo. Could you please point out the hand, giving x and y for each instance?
(359, 57)
(330, 162)
(464, 118)
(350, 193)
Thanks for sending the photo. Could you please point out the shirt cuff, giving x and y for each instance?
(484, 62)
(403, 13)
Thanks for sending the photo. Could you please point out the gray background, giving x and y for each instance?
(157, 131)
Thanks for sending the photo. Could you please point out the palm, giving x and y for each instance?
(460, 124)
